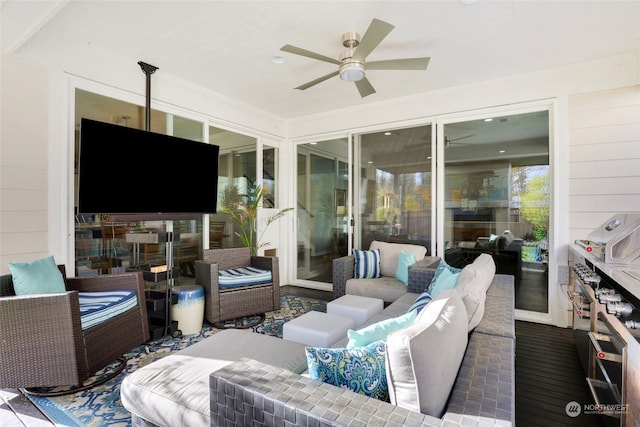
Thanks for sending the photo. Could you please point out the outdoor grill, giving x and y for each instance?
(616, 241)
(604, 296)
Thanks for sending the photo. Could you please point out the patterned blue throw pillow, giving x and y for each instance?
(360, 369)
(420, 302)
(367, 264)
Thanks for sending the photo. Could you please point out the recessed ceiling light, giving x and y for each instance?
(370, 162)
(502, 151)
(277, 59)
(387, 133)
(313, 143)
(488, 120)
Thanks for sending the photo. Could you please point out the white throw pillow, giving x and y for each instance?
(423, 359)
(473, 282)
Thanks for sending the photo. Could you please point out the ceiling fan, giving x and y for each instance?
(448, 142)
(352, 62)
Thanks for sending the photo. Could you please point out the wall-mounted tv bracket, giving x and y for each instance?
(148, 69)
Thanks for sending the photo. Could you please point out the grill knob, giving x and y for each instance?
(619, 308)
(603, 298)
(632, 324)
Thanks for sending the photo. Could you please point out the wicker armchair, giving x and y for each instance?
(42, 343)
(226, 304)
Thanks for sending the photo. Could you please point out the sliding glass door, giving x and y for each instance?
(496, 198)
(394, 186)
(322, 210)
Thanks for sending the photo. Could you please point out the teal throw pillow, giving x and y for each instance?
(442, 266)
(379, 331)
(360, 369)
(421, 302)
(446, 280)
(40, 276)
(405, 260)
(367, 264)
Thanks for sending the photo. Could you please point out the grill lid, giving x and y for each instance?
(620, 238)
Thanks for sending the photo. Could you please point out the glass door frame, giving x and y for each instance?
(293, 261)
(550, 105)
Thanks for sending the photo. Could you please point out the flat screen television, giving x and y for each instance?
(123, 170)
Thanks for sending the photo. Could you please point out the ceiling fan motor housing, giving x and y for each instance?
(351, 39)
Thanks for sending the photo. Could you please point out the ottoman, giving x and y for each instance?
(317, 329)
(360, 309)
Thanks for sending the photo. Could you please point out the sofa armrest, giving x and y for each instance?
(421, 273)
(342, 271)
(248, 391)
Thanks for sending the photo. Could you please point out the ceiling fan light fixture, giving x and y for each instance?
(352, 71)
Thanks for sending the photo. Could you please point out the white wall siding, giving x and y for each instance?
(604, 157)
(24, 147)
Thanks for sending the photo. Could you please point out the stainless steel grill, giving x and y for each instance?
(605, 303)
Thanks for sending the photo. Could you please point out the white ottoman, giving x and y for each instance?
(317, 329)
(360, 309)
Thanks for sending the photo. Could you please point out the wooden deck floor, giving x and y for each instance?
(549, 375)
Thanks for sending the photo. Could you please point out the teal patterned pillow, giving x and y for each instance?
(361, 369)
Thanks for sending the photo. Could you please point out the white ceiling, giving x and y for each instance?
(226, 45)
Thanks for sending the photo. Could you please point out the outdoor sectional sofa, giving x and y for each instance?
(237, 377)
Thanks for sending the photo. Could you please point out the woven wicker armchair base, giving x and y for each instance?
(244, 302)
(42, 343)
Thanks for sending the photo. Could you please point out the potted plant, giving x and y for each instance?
(243, 210)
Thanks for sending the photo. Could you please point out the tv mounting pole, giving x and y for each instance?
(148, 69)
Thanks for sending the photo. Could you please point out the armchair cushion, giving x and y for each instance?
(40, 276)
(224, 303)
(98, 307)
(367, 264)
(244, 276)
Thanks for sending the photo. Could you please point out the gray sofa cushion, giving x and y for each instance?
(389, 253)
(385, 288)
(423, 359)
(473, 282)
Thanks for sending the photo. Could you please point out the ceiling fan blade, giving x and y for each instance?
(365, 88)
(316, 81)
(376, 32)
(399, 64)
(308, 54)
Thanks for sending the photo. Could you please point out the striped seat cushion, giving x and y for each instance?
(245, 276)
(97, 307)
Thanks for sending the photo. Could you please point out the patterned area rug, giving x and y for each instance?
(101, 406)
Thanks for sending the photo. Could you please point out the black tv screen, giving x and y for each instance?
(130, 171)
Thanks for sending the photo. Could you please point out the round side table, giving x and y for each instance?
(189, 310)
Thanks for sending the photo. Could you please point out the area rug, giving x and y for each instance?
(100, 406)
